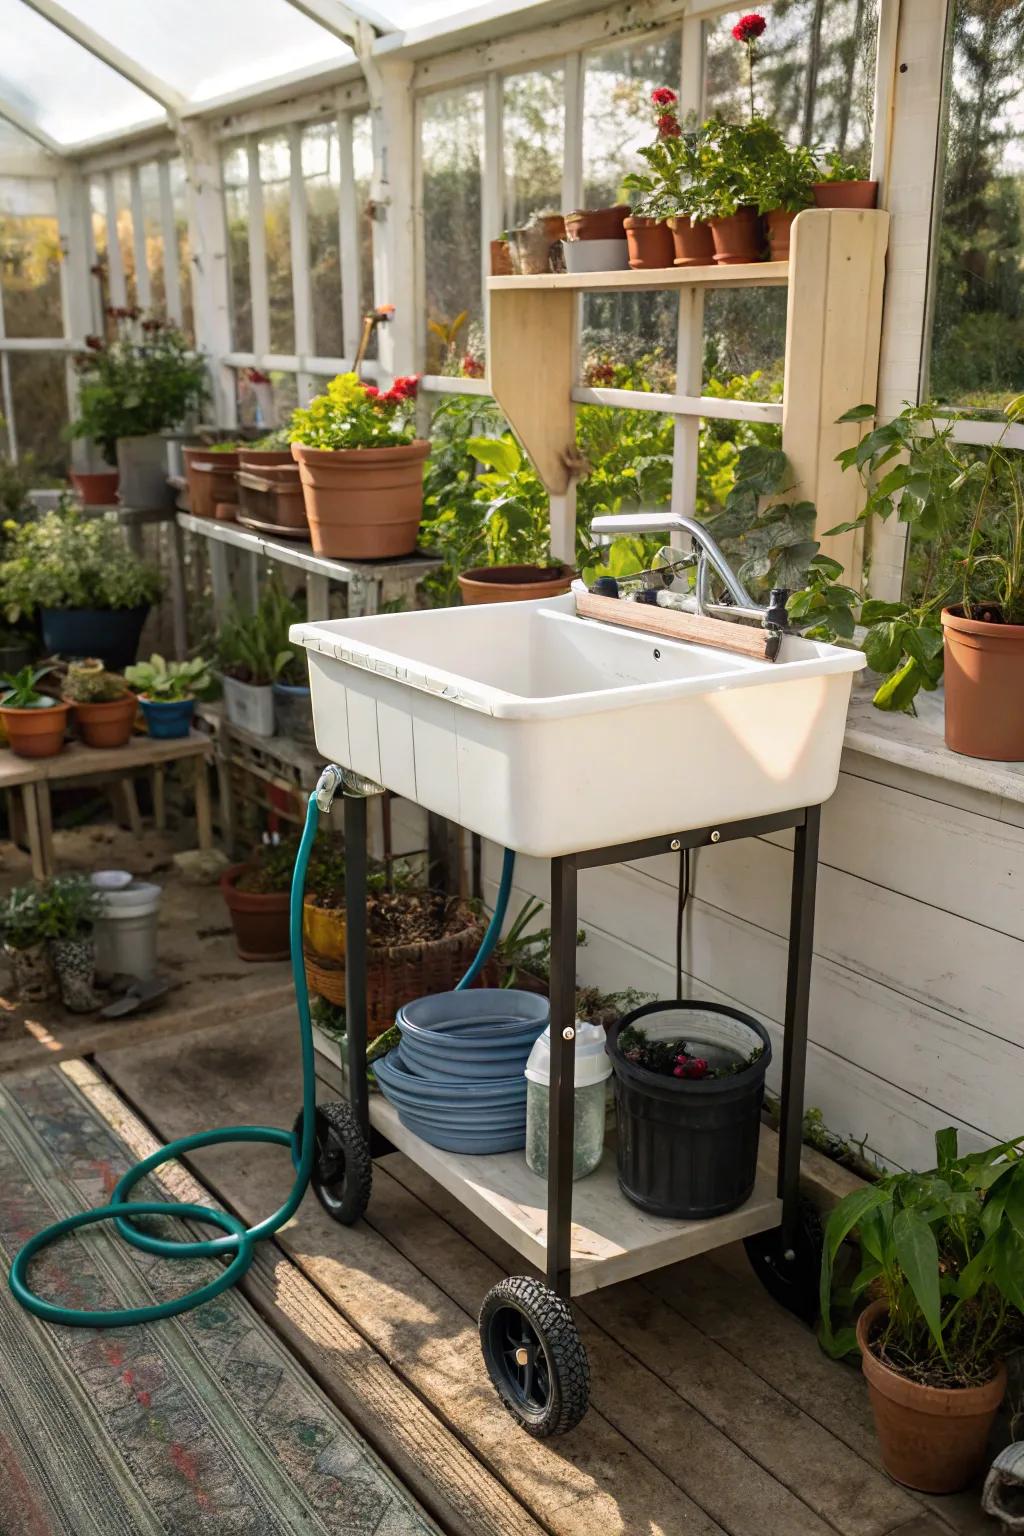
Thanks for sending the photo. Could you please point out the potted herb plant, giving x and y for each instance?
(942, 1261)
(361, 466)
(143, 383)
(103, 704)
(257, 894)
(168, 691)
(252, 653)
(92, 594)
(26, 946)
(507, 529)
(842, 184)
(35, 723)
(650, 228)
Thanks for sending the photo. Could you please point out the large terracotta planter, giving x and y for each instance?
(260, 920)
(98, 489)
(778, 224)
(271, 500)
(513, 583)
(363, 503)
(984, 672)
(109, 724)
(737, 237)
(845, 194)
(650, 243)
(933, 1439)
(693, 243)
(35, 732)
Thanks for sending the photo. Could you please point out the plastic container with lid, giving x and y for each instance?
(593, 1069)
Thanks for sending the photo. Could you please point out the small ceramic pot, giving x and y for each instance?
(32, 973)
(693, 244)
(167, 719)
(650, 243)
(845, 194)
(75, 963)
(737, 237)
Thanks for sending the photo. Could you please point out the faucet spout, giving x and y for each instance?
(678, 522)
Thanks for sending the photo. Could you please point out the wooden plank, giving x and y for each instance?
(744, 639)
(530, 373)
(756, 274)
(80, 761)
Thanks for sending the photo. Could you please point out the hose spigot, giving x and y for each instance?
(330, 781)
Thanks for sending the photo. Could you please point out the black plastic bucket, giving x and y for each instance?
(688, 1149)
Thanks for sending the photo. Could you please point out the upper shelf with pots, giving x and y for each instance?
(760, 274)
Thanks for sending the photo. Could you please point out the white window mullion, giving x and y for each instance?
(143, 288)
(169, 227)
(492, 184)
(258, 289)
(419, 244)
(115, 265)
(690, 334)
(572, 166)
(349, 256)
(302, 296)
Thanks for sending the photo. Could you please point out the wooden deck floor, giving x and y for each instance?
(712, 1410)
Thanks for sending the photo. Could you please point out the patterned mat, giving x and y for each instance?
(201, 1423)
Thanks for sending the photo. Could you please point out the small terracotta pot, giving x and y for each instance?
(323, 929)
(98, 489)
(260, 920)
(845, 194)
(501, 259)
(737, 237)
(693, 243)
(513, 583)
(650, 243)
(778, 223)
(596, 223)
(933, 1439)
(984, 672)
(363, 503)
(109, 724)
(35, 732)
(260, 459)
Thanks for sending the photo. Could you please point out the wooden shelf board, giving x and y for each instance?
(756, 274)
(612, 1240)
(298, 553)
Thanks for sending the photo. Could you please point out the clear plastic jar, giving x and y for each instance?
(593, 1069)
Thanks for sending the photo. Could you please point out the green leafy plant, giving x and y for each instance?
(68, 906)
(254, 647)
(832, 167)
(169, 682)
(20, 690)
(88, 682)
(269, 867)
(673, 162)
(270, 442)
(147, 379)
(743, 165)
(65, 560)
(945, 1251)
(351, 414)
(20, 920)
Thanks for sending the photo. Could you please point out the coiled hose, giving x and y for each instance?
(238, 1239)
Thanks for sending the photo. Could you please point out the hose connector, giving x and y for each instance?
(328, 785)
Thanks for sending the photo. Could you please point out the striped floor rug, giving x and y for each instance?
(199, 1424)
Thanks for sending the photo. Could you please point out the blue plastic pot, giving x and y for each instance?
(168, 718)
(112, 634)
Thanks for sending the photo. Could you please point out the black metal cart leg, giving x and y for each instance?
(355, 958)
(794, 1051)
(563, 1072)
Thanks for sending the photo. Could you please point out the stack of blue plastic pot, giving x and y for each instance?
(456, 1079)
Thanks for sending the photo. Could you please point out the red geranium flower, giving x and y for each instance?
(668, 126)
(749, 27)
(663, 97)
(405, 387)
(371, 391)
(472, 367)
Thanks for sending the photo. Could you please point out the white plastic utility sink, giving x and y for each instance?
(551, 733)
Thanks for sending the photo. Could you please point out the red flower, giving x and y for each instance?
(94, 343)
(749, 27)
(405, 387)
(601, 373)
(472, 367)
(668, 126)
(663, 97)
(371, 391)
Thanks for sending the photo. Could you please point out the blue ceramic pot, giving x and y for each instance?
(167, 718)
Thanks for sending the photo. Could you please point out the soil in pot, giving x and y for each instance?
(984, 684)
(845, 194)
(737, 238)
(778, 224)
(597, 223)
(692, 242)
(650, 243)
(108, 724)
(934, 1439)
(95, 489)
(513, 583)
(36, 732)
(363, 503)
(259, 917)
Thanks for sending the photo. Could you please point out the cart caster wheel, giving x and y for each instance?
(792, 1282)
(342, 1167)
(535, 1356)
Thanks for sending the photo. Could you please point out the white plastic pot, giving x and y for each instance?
(596, 255)
(125, 935)
(249, 706)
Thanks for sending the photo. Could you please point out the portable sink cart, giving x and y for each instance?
(542, 728)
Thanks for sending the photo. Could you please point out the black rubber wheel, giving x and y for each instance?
(535, 1356)
(342, 1168)
(793, 1280)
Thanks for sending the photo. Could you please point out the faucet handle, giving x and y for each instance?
(776, 613)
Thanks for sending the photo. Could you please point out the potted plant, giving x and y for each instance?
(293, 705)
(95, 487)
(361, 466)
(26, 946)
(784, 183)
(842, 184)
(35, 723)
(143, 383)
(270, 495)
(68, 907)
(210, 471)
(168, 691)
(651, 229)
(595, 239)
(252, 653)
(103, 704)
(92, 594)
(942, 1260)
(257, 894)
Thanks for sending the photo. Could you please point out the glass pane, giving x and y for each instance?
(744, 335)
(452, 149)
(534, 139)
(39, 405)
(100, 269)
(125, 235)
(236, 203)
(183, 254)
(617, 84)
(149, 183)
(30, 258)
(628, 340)
(362, 167)
(321, 174)
(978, 330)
(275, 172)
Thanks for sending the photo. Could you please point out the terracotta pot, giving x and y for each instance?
(323, 930)
(650, 243)
(33, 975)
(106, 725)
(264, 458)
(211, 478)
(737, 238)
(693, 243)
(225, 511)
(779, 223)
(501, 259)
(363, 503)
(35, 732)
(596, 223)
(270, 499)
(933, 1439)
(984, 672)
(513, 583)
(260, 920)
(98, 489)
(845, 194)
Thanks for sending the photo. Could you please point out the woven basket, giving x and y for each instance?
(401, 973)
